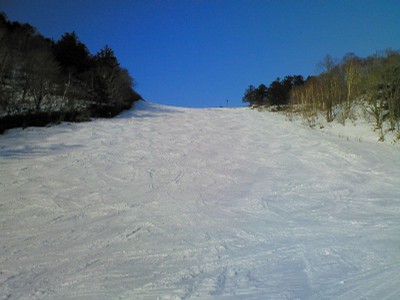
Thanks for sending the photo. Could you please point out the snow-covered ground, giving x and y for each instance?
(177, 203)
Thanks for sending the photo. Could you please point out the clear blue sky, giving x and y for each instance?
(202, 53)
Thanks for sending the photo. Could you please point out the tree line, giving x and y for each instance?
(42, 80)
(276, 94)
(372, 83)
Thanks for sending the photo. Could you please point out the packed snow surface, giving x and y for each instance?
(178, 203)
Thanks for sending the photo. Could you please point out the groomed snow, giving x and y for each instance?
(177, 203)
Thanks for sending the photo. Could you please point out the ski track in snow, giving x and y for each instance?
(175, 203)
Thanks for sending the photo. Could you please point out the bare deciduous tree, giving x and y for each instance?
(352, 77)
(41, 74)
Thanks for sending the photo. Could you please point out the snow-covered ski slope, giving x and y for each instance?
(177, 203)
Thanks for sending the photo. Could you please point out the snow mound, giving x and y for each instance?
(178, 203)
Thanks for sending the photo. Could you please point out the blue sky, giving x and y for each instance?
(202, 53)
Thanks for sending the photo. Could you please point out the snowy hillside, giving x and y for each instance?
(175, 203)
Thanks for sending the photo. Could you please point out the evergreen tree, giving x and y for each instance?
(113, 84)
(72, 54)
